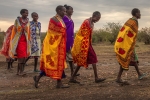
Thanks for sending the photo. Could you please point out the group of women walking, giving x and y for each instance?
(22, 41)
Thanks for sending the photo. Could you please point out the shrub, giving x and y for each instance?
(144, 35)
(107, 34)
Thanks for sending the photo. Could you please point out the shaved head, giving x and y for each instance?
(96, 13)
(34, 13)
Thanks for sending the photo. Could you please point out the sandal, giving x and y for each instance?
(122, 82)
(77, 74)
(141, 77)
(74, 81)
(100, 80)
(119, 81)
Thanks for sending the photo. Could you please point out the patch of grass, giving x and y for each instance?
(107, 48)
(1, 38)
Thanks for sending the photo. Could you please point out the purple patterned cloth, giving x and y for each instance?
(70, 32)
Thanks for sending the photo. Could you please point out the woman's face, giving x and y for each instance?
(35, 17)
(138, 15)
(70, 11)
(62, 12)
(96, 19)
(25, 14)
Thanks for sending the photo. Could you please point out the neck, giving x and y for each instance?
(91, 20)
(35, 20)
(134, 17)
(68, 15)
(24, 18)
(59, 16)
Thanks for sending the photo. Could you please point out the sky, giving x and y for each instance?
(111, 11)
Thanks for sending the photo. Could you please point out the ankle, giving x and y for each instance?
(96, 78)
(72, 78)
(139, 74)
(118, 79)
(59, 82)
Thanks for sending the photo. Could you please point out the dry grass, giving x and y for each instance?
(13, 87)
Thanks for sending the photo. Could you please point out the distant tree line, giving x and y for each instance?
(106, 34)
(110, 31)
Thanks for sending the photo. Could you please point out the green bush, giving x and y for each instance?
(144, 35)
(1, 38)
(107, 34)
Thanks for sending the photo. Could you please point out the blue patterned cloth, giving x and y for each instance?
(34, 43)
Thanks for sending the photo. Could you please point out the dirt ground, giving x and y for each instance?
(13, 87)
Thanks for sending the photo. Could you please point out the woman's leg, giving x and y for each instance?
(72, 80)
(27, 60)
(97, 80)
(8, 65)
(119, 75)
(35, 64)
(37, 78)
(21, 63)
(60, 85)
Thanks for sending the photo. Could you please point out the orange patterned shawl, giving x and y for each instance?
(53, 55)
(125, 43)
(15, 36)
(6, 43)
(81, 44)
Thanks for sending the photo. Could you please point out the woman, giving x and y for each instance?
(20, 40)
(53, 54)
(70, 35)
(35, 27)
(5, 48)
(125, 45)
(82, 50)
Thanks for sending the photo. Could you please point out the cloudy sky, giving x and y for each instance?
(111, 10)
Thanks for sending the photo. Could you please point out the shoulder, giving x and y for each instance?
(86, 21)
(31, 22)
(65, 18)
(39, 23)
(17, 19)
(132, 21)
(54, 19)
(135, 20)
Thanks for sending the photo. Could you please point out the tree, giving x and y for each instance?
(144, 35)
(107, 34)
